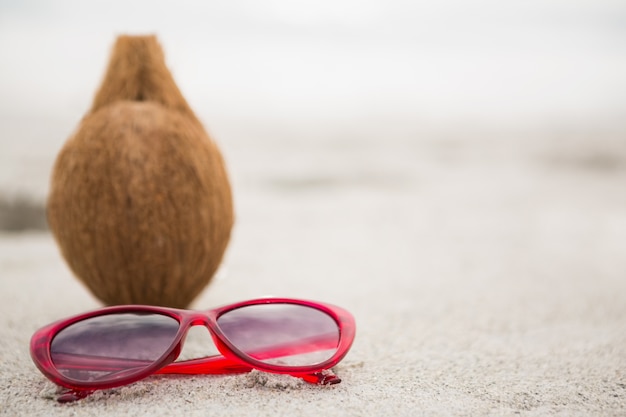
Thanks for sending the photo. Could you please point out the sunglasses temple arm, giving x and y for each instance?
(215, 365)
(219, 364)
(69, 395)
(326, 377)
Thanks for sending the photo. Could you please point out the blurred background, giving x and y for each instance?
(313, 94)
(459, 166)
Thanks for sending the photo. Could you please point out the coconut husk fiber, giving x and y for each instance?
(140, 202)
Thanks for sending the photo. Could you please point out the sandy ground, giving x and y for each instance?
(486, 274)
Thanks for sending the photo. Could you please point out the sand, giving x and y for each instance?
(486, 275)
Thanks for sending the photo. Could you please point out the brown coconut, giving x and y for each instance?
(140, 201)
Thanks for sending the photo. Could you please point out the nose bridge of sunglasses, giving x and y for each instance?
(198, 342)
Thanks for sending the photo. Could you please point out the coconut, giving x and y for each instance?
(140, 202)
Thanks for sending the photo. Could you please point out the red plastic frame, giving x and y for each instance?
(230, 361)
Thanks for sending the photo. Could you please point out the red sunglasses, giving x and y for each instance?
(120, 345)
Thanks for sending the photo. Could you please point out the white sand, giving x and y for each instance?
(487, 277)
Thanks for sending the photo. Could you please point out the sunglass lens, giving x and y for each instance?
(112, 346)
(282, 334)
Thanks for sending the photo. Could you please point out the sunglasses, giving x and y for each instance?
(119, 345)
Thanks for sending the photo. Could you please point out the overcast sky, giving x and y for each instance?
(438, 61)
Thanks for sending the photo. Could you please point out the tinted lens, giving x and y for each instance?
(113, 346)
(282, 334)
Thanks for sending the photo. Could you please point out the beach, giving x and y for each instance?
(481, 249)
(484, 281)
